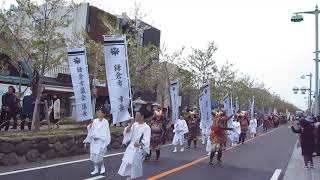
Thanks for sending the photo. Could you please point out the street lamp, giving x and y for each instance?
(298, 18)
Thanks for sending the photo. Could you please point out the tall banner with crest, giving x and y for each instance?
(174, 95)
(118, 78)
(206, 103)
(80, 81)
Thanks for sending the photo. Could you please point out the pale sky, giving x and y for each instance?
(256, 35)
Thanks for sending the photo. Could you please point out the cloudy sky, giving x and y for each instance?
(257, 36)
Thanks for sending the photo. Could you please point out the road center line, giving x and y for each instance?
(199, 160)
(95, 178)
(276, 174)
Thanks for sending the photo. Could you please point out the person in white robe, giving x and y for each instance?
(138, 147)
(99, 138)
(180, 129)
(126, 135)
(204, 132)
(235, 134)
(253, 126)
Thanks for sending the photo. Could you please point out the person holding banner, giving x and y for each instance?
(253, 126)
(193, 126)
(217, 137)
(180, 129)
(244, 126)
(138, 147)
(157, 133)
(99, 138)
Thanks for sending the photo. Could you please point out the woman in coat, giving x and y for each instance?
(55, 111)
(307, 140)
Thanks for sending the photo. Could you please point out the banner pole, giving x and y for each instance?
(128, 76)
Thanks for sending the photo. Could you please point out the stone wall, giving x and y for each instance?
(30, 149)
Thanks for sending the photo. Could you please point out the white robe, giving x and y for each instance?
(234, 135)
(253, 126)
(134, 156)
(100, 131)
(126, 136)
(180, 129)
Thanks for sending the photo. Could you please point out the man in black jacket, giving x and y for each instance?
(9, 107)
(27, 110)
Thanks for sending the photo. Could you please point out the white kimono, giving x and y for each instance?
(234, 136)
(204, 131)
(134, 156)
(100, 131)
(253, 126)
(180, 129)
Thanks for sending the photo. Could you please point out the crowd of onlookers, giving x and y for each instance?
(308, 128)
(15, 108)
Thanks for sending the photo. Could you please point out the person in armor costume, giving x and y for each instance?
(157, 133)
(217, 136)
(193, 126)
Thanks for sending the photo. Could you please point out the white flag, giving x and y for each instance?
(228, 106)
(116, 62)
(174, 94)
(207, 106)
(80, 81)
(202, 112)
(252, 107)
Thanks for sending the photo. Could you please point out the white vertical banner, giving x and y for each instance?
(80, 81)
(117, 70)
(252, 107)
(228, 106)
(174, 94)
(202, 112)
(207, 106)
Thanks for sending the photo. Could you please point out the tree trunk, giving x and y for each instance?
(35, 117)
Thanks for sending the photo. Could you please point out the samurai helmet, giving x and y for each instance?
(158, 113)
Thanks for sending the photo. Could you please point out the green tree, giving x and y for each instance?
(201, 64)
(32, 32)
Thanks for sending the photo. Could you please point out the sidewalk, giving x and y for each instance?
(296, 171)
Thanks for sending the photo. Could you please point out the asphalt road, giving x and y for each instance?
(257, 160)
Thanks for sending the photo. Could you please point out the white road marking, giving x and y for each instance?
(61, 164)
(54, 165)
(95, 178)
(276, 174)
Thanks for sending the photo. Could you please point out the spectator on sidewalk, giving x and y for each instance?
(54, 111)
(317, 136)
(9, 108)
(307, 140)
(27, 110)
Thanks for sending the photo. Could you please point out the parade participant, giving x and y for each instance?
(235, 134)
(266, 123)
(253, 126)
(215, 116)
(180, 129)
(9, 109)
(99, 138)
(193, 126)
(138, 148)
(156, 134)
(217, 137)
(244, 127)
(204, 132)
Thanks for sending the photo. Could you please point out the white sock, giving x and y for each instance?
(103, 169)
(95, 171)
(175, 149)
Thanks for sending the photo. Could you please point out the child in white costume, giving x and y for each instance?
(180, 129)
(99, 138)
